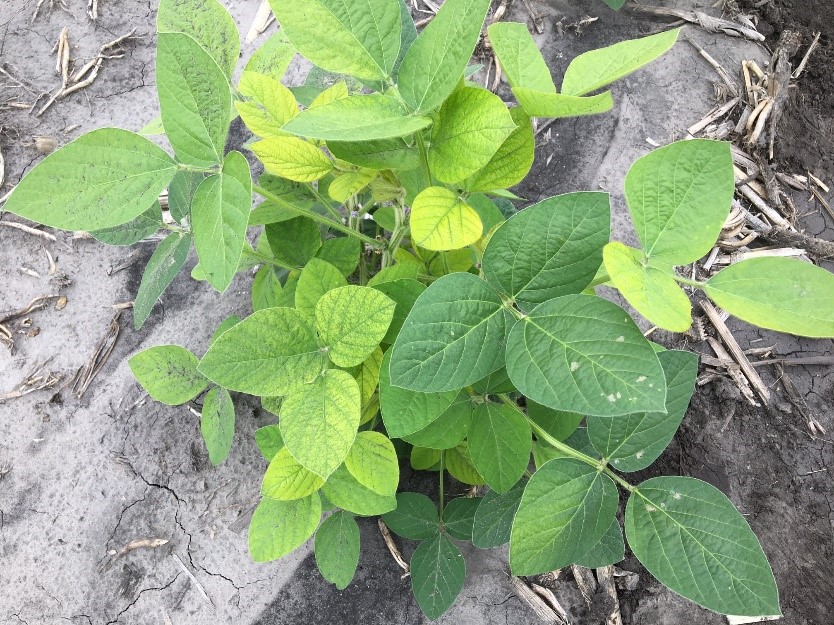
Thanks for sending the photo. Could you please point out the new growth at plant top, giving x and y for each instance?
(403, 308)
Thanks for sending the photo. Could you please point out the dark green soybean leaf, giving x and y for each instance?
(415, 517)
(269, 440)
(652, 291)
(408, 33)
(102, 179)
(337, 548)
(601, 67)
(459, 515)
(219, 217)
(471, 126)
(511, 163)
(181, 193)
(494, 517)
(208, 23)
(615, 4)
(609, 550)
(295, 241)
(194, 99)
(229, 322)
(633, 442)
(404, 411)
(380, 154)
(459, 465)
(317, 278)
(293, 194)
(437, 575)
(267, 354)
(495, 383)
(691, 538)
(279, 527)
(453, 337)
(520, 59)
(436, 60)
(273, 57)
(499, 444)
(778, 294)
(217, 424)
(679, 197)
(341, 252)
(403, 293)
(362, 37)
(344, 491)
(581, 353)
(169, 374)
(550, 249)
(557, 105)
(566, 508)
(133, 231)
(319, 421)
(165, 263)
(557, 423)
(447, 430)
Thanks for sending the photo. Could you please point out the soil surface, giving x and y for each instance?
(81, 478)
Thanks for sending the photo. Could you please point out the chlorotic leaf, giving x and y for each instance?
(165, 263)
(557, 105)
(520, 59)
(494, 517)
(471, 126)
(550, 249)
(279, 527)
(267, 354)
(581, 353)
(566, 508)
(652, 291)
(777, 293)
(453, 337)
(367, 375)
(601, 67)
(499, 444)
(436, 60)
(168, 373)
(424, 459)
(270, 104)
(337, 548)
(679, 197)
(691, 538)
(347, 184)
(609, 550)
(633, 442)
(133, 231)
(459, 516)
(459, 465)
(286, 479)
(292, 158)
(317, 278)
(437, 573)
(319, 421)
(415, 517)
(344, 491)
(217, 424)
(511, 163)
(440, 220)
(373, 462)
(194, 99)
(219, 215)
(104, 178)
(338, 315)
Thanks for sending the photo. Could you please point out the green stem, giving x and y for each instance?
(687, 281)
(316, 217)
(324, 202)
(442, 471)
(424, 159)
(268, 259)
(199, 170)
(600, 279)
(396, 236)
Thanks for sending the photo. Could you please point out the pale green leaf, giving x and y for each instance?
(691, 538)
(453, 337)
(459, 516)
(165, 263)
(292, 158)
(267, 291)
(511, 163)
(133, 231)
(652, 291)
(267, 354)
(269, 441)
(415, 517)
(550, 249)
(494, 517)
(395, 273)
(471, 126)
(357, 118)
(520, 59)
(338, 313)
(436, 60)
(777, 293)
(168, 373)
(372, 461)
(440, 220)
(679, 197)
(102, 179)
(601, 67)
(194, 99)
(447, 430)
(229, 322)
(367, 376)
(286, 479)
(360, 38)
(459, 465)
(217, 424)
(437, 573)
(499, 444)
(566, 509)
(337, 548)
(279, 527)
(181, 193)
(609, 550)
(153, 128)
(557, 105)
(273, 57)
(269, 104)
(219, 216)
(348, 184)
(344, 491)
(339, 91)
(319, 421)
(317, 278)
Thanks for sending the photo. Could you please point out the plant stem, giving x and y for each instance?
(396, 236)
(687, 281)
(324, 202)
(316, 217)
(268, 259)
(442, 471)
(199, 170)
(424, 159)
(600, 279)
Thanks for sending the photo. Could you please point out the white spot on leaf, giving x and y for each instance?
(612, 399)
(620, 339)
(574, 366)
(642, 378)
